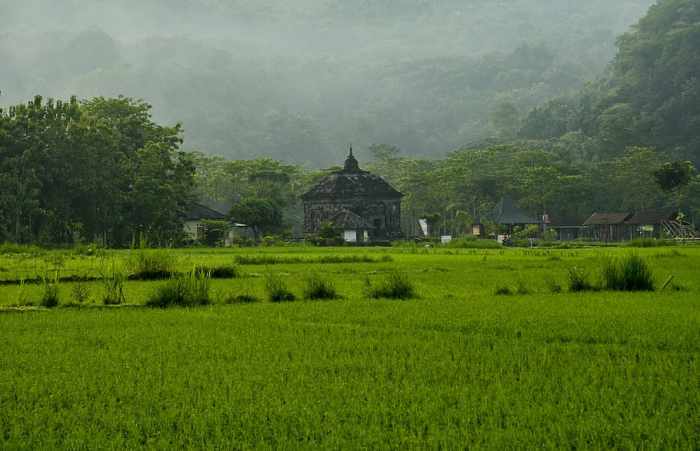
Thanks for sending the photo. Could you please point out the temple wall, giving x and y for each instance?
(384, 212)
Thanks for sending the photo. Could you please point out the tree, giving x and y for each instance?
(261, 215)
(94, 170)
(672, 177)
(675, 177)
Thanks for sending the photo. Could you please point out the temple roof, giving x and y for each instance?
(351, 182)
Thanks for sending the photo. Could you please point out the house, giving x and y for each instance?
(510, 216)
(642, 224)
(564, 229)
(195, 227)
(651, 223)
(607, 226)
(360, 206)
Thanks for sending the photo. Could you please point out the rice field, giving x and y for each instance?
(456, 366)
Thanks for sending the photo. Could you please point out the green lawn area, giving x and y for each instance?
(456, 367)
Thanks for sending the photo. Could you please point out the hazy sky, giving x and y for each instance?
(299, 79)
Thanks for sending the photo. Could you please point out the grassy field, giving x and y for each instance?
(457, 366)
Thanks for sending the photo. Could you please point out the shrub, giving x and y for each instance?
(219, 272)
(318, 288)
(49, 295)
(395, 285)
(22, 295)
(629, 273)
(150, 265)
(277, 290)
(184, 290)
(113, 284)
(531, 231)
(579, 280)
(503, 291)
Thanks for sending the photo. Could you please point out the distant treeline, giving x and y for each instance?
(102, 170)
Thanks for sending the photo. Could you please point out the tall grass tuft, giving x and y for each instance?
(317, 288)
(219, 272)
(277, 290)
(579, 280)
(629, 273)
(146, 264)
(113, 284)
(184, 290)
(395, 285)
(49, 293)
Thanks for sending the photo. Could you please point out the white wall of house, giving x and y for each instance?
(191, 229)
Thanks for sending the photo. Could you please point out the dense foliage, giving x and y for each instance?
(97, 170)
(544, 177)
(650, 95)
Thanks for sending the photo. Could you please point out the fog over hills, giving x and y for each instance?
(298, 80)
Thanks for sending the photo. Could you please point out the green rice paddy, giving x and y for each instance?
(456, 367)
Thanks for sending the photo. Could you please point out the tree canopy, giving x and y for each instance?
(94, 170)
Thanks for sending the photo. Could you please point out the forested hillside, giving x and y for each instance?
(299, 80)
(650, 95)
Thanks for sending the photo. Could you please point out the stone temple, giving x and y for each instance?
(361, 206)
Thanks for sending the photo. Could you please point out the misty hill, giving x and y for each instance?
(649, 97)
(298, 80)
